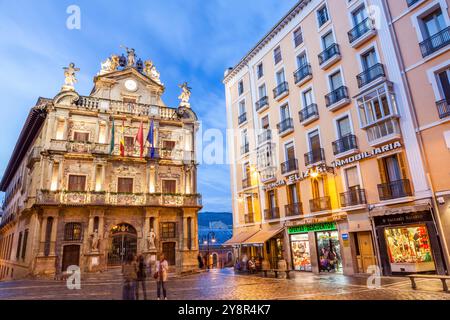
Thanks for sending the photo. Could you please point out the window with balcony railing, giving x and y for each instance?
(353, 197)
(302, 72)
(411, 2)
(294, 209)
(329, 53)
(245, 148)
(246, 182)
(261, 103)
(443, 107)
(281, 89)
(242, 118)
(272, 213)
(394, 189)
(314, 156)
(345, 144)
(289, 166)
(373, 73)
(361, 29)
(336, 96)
(285, 125)
(265, 136)
(249, 218)
(435, 42)
(320, 204)
(310, 111)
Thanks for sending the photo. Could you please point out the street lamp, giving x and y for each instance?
(210, 238)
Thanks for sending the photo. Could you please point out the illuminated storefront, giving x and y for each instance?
(409, 243)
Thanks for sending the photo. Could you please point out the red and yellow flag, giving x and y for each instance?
(122, 140)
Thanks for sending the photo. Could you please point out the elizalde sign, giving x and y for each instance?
(368, 154)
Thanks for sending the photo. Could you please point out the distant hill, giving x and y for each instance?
(204, 218)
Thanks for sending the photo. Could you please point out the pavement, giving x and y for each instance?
(226, 285)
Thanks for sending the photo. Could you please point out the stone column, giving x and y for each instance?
(43, 226)
(185, 232)
(54, 235)
(60, 174)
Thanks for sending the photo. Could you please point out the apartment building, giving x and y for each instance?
(328, 172)
(95, 179)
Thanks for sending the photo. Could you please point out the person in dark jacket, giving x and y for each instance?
(141, 276)
(200, 261)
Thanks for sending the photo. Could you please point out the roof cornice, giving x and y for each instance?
(266, 39)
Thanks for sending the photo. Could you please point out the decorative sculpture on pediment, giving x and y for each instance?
(151, 72)
(111, 64)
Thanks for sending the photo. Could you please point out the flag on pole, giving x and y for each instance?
(122, 140)
(111, 144)
(150, 140)
(140, 138)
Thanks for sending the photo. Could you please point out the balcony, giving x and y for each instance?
(329, 56)
(245, 148)
(285, 127)
(435, 42)
(265, 136)
(293, 210)
(272, 214)
(314, 156)
(289, 166)
(394, 190)
(45, 197)
(262, 104)
(337, 99)
(281, 91)
(268, 174)
(242, 118)
(361, 33)
(375, 72)
(383, 131)
(303, 74)
(345, 146)
(246, 183)
(249, 218)
(309, 114)
(352, 198)
(168, 154)
(410, 3)
(320, 204)
(443, 107)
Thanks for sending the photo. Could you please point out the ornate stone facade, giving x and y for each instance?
(72, 196)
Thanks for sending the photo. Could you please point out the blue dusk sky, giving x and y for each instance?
(191, 40)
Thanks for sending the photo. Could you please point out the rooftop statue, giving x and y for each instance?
(151, 72)
(131, 53)
(111, 64)
(69, 75)
(185, 95)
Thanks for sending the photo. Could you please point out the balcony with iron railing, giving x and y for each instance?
(285, 127)
(337, 98)
(320, 204)
(272, 213)
(245, 148)
(394, 190)
(265, 136)
(293, 210)
(247, 183)
(83, 198)
(281, 90)
(262, 104)
(370, 75)
(443, 107)
(435, 42)
(314, 156)
(289, 166)
(345, 145)
(249, 218)
(361, 32)
(303, 74)
(242, 118)
(309, 114)
(329, 56)
(353, 197)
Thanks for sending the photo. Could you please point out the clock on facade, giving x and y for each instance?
(131, 85)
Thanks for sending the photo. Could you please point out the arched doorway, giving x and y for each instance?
(123, 242)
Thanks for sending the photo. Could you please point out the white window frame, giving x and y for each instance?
(416, 17)
(340, 117)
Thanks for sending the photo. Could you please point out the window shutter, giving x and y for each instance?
(402, 164)
(382, 170)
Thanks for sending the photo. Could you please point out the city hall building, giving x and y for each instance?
(94, 179)
(341, 146)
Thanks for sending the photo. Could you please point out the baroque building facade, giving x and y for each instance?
(95, 178)
(340, 152)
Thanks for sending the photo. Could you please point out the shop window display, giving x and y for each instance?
(329, 251)
(301, 256)
(409, 246)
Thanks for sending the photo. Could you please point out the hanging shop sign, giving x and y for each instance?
(368, 154)
(321, 169)
(405, 218)
(325, 226)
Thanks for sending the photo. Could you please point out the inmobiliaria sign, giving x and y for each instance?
(368, 154)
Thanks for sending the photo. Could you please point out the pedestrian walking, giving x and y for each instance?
(141, 276)
(200, 261)
(161, 276)
(129, 278)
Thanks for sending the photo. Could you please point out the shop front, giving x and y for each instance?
(409, 243)
(316, 247)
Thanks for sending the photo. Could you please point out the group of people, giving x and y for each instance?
(134, 272)
(205, 261)
(329, 260)
(252, 265)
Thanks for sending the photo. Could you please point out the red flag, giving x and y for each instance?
(140, 138)
(122, 140)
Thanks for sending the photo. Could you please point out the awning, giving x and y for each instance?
(262, 236)
(239, 238)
